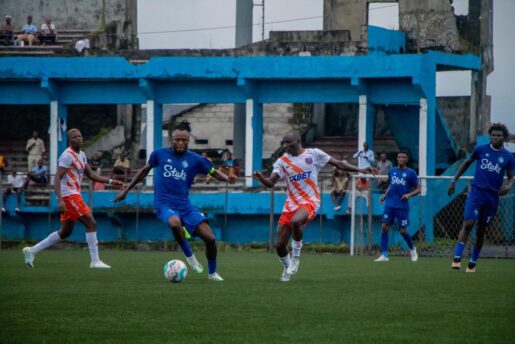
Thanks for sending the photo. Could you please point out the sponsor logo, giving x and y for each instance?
(487, 165)
(398, 181)
(300, 176)
(170, 171)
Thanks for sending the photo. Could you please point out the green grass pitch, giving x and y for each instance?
(334, 298)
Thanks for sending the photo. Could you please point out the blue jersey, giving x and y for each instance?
(490, 167)
(174, 174)
(402, 181)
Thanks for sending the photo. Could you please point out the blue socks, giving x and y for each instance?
(186, 249)
(475, 255)
(407, 237)
(458, 250)
(384, 244)
(211, 266)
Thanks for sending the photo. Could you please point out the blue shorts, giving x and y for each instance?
(481, 206)
(399, 215)
(190, 217)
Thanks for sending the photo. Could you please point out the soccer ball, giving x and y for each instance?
(175, 271)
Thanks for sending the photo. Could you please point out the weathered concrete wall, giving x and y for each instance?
(346, 15)
(72, 14)
(214, 122)
(457, 115)
(429, 24)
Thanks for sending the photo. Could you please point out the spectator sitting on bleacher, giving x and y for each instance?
(229, 166)
(28, 34)
(121, 168)
(3, 164)
(47, 33)
(15, 186)
(7, 31)
(38, 175)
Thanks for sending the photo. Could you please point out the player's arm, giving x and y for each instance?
(140, 175)
(61, 171)
(466, 164)
(97, 178)
(383, 197)
(268, 182)
(222, 176)
(506, 188)
(414, 192)
(344, 165)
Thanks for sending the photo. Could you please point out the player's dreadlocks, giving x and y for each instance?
(500, 127)
(183, 125)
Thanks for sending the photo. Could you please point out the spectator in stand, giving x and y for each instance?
(3, 164)
(365, 157)
(340, 183)
(362, 190)
(121, 168)
(15, 183)
(35, 148)
(7, 31)
(38, 175)
(47, 33)
(384, 165)
(28, 34)
(229, 166)
(96, 164)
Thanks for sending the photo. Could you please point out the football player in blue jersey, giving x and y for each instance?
(403, 184)
(493, 161)
(175, 168)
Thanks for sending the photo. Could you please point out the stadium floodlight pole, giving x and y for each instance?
(352, 217)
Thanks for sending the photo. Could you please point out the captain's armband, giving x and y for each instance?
(212, 170)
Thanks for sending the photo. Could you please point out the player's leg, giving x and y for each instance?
(403, 222)
(91, 237)
(472, 206)
(486, 215)
(174, 222)
(205, 233)
(29, 253)
(298, 221)
(388, 219)
(281, 245)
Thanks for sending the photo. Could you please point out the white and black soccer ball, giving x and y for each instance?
(175, 271)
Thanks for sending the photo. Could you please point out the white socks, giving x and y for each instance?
(46, 243)
(295, 248)
(91, 238)
(285, 261)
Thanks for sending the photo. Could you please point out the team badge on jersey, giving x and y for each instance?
(309, 161)
(184, 164)
(501, 159)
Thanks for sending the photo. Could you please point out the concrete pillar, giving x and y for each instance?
(154, 130)
(423, 144)
(58, 133)
(474, 94)
(366, 123)
(254, 140)
(238, 134)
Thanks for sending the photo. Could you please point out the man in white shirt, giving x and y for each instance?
(15, 183)
(47, 33)
(365, 157)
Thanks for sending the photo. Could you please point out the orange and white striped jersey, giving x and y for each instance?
(75, 164)
(301, 176)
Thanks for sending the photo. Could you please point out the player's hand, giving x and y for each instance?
(504, 190)
(451, 188)
(257, 175)
(232, 178)
(121, 196)
(61, 207)
(369, 170)
(381, 199)
(405, 197)
(118, 184)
